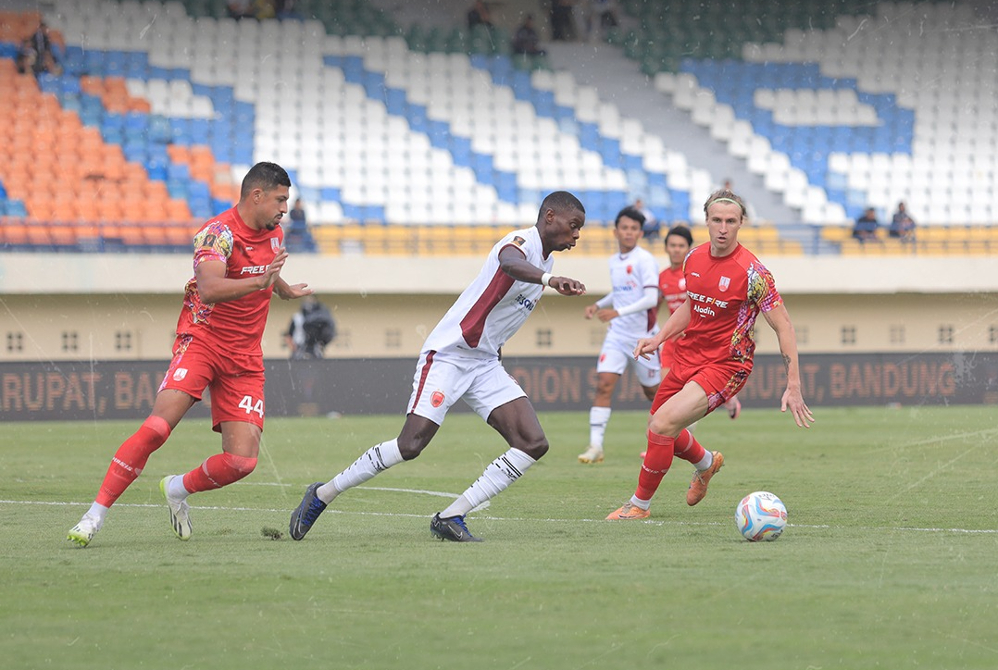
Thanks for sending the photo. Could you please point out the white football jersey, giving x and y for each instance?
(494, 306)
(630, 274)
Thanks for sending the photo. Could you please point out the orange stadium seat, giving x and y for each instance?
(13, 231)
(62, 234)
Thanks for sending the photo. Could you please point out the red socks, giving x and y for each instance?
(657, 461)
(218, 471)
(688, 449)
(131, 457)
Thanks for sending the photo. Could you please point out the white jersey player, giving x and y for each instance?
(461, 360)
(631, 310)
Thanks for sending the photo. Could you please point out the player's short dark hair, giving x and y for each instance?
(630, 213)
(265, 176)
(561, 201)
(680, 231)
(724, 195)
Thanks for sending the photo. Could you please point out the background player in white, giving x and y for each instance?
(631, 310)
(461, 361)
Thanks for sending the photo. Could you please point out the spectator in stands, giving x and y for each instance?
(526, 41)
(298, 236)
(479, 15)
(264, 9)
(286, 9)
(562, 21)
(902, 225)
(240, 9)
(38, 53)
(601, 17)
(311, 329)
(866, 226)
(26, 57)
(651, 225)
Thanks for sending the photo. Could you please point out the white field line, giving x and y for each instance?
(966, 531)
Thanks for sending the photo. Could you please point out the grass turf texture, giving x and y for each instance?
(859, 579)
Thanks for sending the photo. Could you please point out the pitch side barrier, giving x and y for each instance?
(58, 391)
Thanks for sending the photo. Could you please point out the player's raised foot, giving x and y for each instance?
(591, 455)
(83, 532)
(734, 407)
(628, 512)
(698, 486)
(306, 513)
(180, 519)
(452, 528)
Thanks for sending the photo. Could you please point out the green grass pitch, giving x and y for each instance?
(889, 559)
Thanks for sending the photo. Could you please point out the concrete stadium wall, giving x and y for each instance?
(125, 307)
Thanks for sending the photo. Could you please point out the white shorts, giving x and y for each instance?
(617, 353)
(441, 380)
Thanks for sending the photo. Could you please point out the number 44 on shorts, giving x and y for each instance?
(249, 406)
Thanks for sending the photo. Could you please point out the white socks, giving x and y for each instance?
(497, 477)
(705, 462)
(371, 462)
(598, 418)
(97, 511)
(175, 489)
(643, 504)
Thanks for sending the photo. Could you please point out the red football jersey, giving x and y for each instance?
(726, 295)
(672, 285)
(235, 326)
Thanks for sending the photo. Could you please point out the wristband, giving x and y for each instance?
(546, 279)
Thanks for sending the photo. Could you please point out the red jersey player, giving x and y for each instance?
(672, 286)
(727, 287)
(238, 257)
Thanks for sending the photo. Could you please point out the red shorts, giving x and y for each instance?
(721, 381)
(235, 383)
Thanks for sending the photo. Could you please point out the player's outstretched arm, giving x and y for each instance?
(514, 263)
(673, 327)
(288, 291)
(793, 399)
(215, 287)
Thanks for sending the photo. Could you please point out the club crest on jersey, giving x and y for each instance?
(630, 269)
(437, 398)
(519, 241)
(724, 283)
(275, 244)
(179, 374)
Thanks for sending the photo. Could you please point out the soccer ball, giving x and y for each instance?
(761, 517)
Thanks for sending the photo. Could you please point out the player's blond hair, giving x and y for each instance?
(724, 195)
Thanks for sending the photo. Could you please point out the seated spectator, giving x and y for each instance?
(38, 53)
(526, 40)
(651, 225)
(240, 9)
(902, 225)
(26, 57)
(865, 229)
(297, 236)
(479, 15)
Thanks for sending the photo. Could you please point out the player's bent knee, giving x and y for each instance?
(240, 465)
(535, 449)
(661, 426)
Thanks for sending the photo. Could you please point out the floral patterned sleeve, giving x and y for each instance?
(213, 243)
(762, 288)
